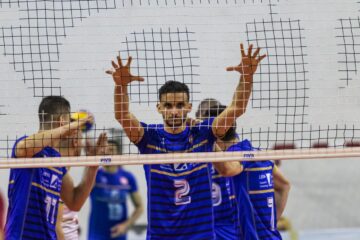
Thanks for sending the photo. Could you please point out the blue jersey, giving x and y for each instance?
(33, 199)
(225, 208)
(254, 189)
(179, 195)
(108, 202)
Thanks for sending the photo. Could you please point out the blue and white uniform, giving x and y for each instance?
(254, 189)
(179, 195)
(33, 199)
(108, 202)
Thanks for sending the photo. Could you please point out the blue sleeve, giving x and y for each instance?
(132, 182)
(141, 145)
(13, 152)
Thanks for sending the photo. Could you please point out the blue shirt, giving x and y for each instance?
(33, 199)
(254, 189)
(225, 207)
(179, 195)
(108, 202)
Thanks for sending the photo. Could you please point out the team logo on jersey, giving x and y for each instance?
(124, 180)
(54, 183)
(178, 167)
(268, 178)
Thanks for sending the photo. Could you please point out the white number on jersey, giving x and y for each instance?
(181, 194)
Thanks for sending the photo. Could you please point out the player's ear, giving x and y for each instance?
(158, 107)
(64, 119)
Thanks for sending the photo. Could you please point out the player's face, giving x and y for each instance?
(174, 108)
(111, 149)
(202, 110)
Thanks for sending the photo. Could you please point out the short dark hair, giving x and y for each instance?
(205, 105)
(214, 112)
(174, 87)
(52, 107)
(117, 144)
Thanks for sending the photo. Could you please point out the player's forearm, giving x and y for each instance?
(82, 191)
(128, 121)
(228, 169)
(281, 197)
(242, 95)
(121, 103)
(36, 142)
(237, 107)
(135, 216)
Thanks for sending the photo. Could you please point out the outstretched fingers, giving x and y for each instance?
(114, 65)
(137, 78)
(250, 50)
(256, 53)
(261, 58)
(229, 69)
(119, 61)
(128, 61)
(242, 50)
(109, 72)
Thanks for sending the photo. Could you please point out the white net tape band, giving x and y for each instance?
(136, 159)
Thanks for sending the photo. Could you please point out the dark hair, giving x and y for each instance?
(117, 144)
(214, 112)
(174, 87)
(205, 105)
(52, 107)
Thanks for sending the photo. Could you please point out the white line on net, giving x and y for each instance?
(140, 159)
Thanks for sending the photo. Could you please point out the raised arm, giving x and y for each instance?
(282, 188)
(246, 68)
(227, 168)
(33, 144)
(122, 78)
(75, 197)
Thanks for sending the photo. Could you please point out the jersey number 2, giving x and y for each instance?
(181, 194)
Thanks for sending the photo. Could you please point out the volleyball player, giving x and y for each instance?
(179, 195)
(261, 191)
(224, 203)
(67, 224)
(108, 215)
(34, 192)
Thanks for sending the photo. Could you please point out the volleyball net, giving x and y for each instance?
(305, 96)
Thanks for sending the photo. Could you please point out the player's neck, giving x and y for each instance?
(174, 130)
(224, 145)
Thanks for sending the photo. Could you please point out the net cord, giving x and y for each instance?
(204, 157)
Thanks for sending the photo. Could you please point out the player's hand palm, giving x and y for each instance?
(121, 73)
(249, 61)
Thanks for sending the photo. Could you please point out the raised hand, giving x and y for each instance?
(121, 74)
(249, 61)
(99, 149)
